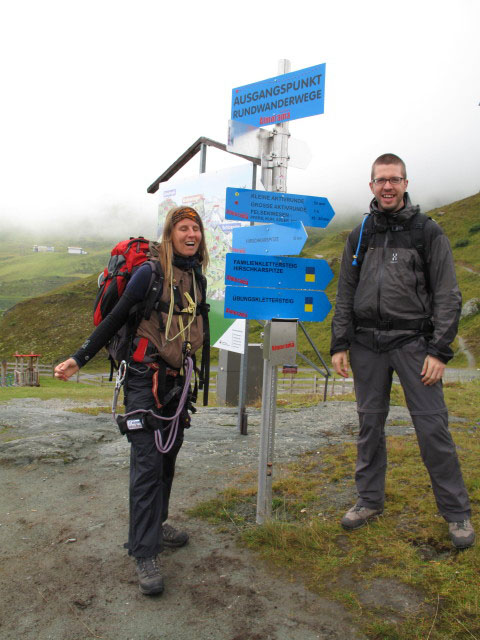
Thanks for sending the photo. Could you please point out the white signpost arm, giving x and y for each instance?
(274, 178)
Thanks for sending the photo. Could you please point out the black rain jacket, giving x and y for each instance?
(393, 283)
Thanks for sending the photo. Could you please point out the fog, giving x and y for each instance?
(100, 98)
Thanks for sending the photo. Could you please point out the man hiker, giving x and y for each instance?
(397, 310)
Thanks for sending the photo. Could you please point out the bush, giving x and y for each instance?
(475, 228)
(462, 243)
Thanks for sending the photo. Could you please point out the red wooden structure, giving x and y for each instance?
(26, 369)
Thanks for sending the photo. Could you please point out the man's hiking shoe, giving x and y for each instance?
(149, 578)
(172, 537)
(462, 534)
(358, 516)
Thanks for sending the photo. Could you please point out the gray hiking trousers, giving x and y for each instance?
(373, 379)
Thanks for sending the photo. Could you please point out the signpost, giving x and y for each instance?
(264, 304)
(284, 208)
(290, 273)
(259, 283)
(289, 96)
(270, 239)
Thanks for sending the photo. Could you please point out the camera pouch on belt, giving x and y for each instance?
(130, 423)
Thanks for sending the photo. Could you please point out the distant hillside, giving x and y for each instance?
(56, 323)
(25, 273)
(461, 222)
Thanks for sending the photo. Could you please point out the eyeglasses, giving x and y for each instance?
(382, 181)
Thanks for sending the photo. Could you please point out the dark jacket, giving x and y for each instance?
(154, 329)
(394, 284)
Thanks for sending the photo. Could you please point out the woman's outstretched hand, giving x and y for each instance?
(66, 369)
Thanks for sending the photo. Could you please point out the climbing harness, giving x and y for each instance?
(132, 421)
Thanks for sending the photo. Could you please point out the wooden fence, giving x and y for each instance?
(290, 384)
(301, 383)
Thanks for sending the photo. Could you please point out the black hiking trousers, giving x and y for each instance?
(151, 472)
(373, 379)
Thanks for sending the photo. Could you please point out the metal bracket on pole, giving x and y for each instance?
(274, 178)
(327, 373)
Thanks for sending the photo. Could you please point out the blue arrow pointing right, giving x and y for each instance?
(270, 239)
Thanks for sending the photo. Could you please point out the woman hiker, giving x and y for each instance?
(155, 371)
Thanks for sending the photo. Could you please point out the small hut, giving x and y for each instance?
(26, 370)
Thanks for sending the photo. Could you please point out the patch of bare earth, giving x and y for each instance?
(64, 574)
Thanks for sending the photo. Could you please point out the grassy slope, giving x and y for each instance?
(63, 319)
(63, 316)
(460, 221)
(24, 273)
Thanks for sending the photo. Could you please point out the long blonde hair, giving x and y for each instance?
(165, 249)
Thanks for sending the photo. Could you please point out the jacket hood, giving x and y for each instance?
(385, 219)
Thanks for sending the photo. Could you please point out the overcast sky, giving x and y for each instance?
(100, 97)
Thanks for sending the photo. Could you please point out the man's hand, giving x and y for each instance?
(432, 371)
(340, 363)
(66, 369)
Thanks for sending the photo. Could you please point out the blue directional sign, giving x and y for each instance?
(281, 208)
(265, 304)
(269, 239)
(286, 97)
(289, 273)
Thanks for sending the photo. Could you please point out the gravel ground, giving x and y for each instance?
(65, 575)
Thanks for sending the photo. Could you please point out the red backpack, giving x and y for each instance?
(126, 257)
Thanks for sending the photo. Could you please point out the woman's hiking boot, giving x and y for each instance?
(150, 580)
(172, 537)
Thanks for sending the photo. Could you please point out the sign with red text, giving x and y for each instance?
(290, 96)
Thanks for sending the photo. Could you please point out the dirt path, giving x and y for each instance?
(64, 574)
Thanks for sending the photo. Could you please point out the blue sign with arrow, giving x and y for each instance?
(281, 208)
(290, 96)
(265, 304)
(289, 273)
(269, 239)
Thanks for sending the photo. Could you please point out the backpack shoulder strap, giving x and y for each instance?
(366, 233)
(155, 288)
(417, 233)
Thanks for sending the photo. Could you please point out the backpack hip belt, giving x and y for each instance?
(419, 324)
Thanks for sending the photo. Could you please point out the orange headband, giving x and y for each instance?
(186, 212)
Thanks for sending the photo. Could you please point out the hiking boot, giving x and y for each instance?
(172, 537)
(358, 516)
(149, 579)
(462, 534)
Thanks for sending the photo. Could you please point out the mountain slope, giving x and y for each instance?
(53, 325)
(25, 273)
(56, 323)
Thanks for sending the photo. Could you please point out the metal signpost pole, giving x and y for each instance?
(275, 180)
(203, 158)
(242, 421)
